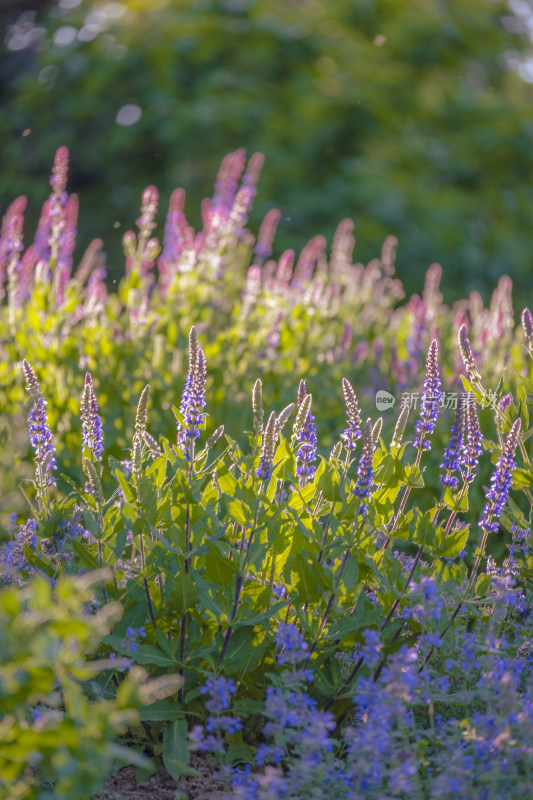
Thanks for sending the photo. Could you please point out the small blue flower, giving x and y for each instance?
(291, 644)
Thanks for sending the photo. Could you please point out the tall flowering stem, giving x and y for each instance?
(40, 435)
(475, 378)
(429, 409)
(91, 424)
(349, 440)
(192, 399)
(500, 485)
(264, 473)
(57, 203)
(363, 491)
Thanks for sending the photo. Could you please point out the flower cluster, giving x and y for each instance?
(131, 640)
(219, 691)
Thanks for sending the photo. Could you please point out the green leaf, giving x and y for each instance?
(424, 530)
(522, 478)
(450, 546)
(183, 596)
(240, 512)
(240, 754)
(456, 501)
(413, 477)
(176, 748)
(329, 484)
(482, 585)
(164, 710)
(86, 558)
(309, 579)
(219, 569)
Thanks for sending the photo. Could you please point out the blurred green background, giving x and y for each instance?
(413, 117)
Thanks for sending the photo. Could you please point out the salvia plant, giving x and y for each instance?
(338, 588)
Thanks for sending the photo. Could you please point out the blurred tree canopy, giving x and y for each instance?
(404, 116)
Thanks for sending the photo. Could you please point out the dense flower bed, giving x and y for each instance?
(327, 598)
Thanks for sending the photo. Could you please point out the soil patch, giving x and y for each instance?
(122, 785)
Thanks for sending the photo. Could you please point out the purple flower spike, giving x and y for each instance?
(527, 324)
(472, 449)
(193, 397)
(91, 424)
(306, 442)
(264, 471)
(353, 431)
(40, 434)
(66, 245)
(500, 482)
(454, 452)
(364, 484)
(467, 355)
(265, 237)
(429, 404)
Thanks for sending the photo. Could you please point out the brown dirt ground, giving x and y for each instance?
(122, 784)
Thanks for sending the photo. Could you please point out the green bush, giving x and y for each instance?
(57, 738)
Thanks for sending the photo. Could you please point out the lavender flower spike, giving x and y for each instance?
(91, 424)
(364, 484)
(500, 482)
(353, 431)
(468, 356)
(429, 404)
(453, 453)
(193, 397)
(527, 324)
(40, 434)
(472, 449)
(306, 442)
(264, 471)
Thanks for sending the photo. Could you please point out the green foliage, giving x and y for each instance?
(58, 721)
(404, 116)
